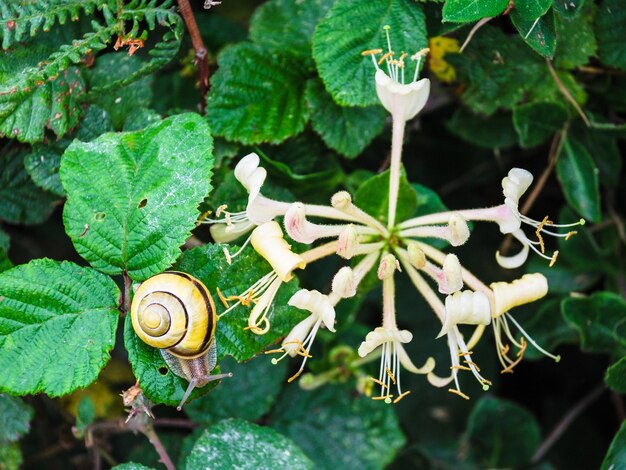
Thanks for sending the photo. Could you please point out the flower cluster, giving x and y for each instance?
(455, 295)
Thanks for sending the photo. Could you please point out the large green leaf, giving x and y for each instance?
(337, 46)
(209, 264)
(498, 70)
(536, 122)
(16, 416)
(246, 446)
(249, 394)
(600, 320)
(579, 179)
(288, 25)
(346, 129)
(58, 322)
(568, 8)
(616, 456)
(373, 197)
(611, 33)
(132, 197)
(603, 148)
(21, 202)
(257, 95)
(464, 11)
(539, 34)
(501, 434)
(337, 430)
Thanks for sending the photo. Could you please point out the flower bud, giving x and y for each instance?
(341, 200)
(296, 225)
(388, 265)
(453, 275)
(348, 242)
(343, 283)
(417, 258)
(459, 231)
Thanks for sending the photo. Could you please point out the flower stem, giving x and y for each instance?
(397, 137)
(389, 307)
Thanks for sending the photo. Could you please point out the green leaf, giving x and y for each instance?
(605, 152)
(86, 413)
(55, 310)
(11, 456)
(615, 376)
(563, 278)
(577, 41)
(23, 19)
(539, 34)
(611, 33)
(158, 383)
(498, 70)
(96, 122)
(616, 456)
(488, 132)
(578, 176)
(140, 201)
(568, 8)
(600, 321)
(238, 444)
(248, 395)
(42, 164)
(209, 264)
(140, 118)
(257, 95)
(337, 47)
(373, 197)
(531, 9)
(536, 122)
(121, 101)
(5, 262)
(16, 416)
(288, 26)
(21, 202)
(337, 430)
(546, 89)
(348, 130)
(464, 11)
(501, 434)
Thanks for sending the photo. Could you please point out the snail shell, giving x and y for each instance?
(175, 313)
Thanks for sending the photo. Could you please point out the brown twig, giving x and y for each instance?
(553, 155)
(475, 28)
(567, 93)
(158, 446)
(175, 423)
(202, 61)
(565, 422)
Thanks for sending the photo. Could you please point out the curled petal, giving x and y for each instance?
(466, 308)
(437, 381)
(249, 174)
(515, 261)
(223, 233)
(528, 288)
(516, 184)
(406, 362)
(296, 225)
(317, 303)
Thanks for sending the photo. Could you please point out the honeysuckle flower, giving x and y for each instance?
(456, 232)
(508, 218)
(268, 241)
(507, 295)
(403, 100)
(466, 308)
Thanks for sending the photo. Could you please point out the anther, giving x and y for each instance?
(371, 52)
(220, 209)
(391, 376)
(555, 255)
(458, 392)
(222, 298)
(294, 376)
(400, 397)
(379, 382)
(385, 57)
(570, 234)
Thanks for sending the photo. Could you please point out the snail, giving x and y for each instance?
(175, 313)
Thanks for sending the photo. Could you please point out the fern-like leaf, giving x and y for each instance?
(20, 19)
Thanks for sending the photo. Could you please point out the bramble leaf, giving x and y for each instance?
(148, 185)
(55, 310)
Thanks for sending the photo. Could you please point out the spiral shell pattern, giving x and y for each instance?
(174, 311)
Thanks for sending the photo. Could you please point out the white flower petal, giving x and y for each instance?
(402, 101)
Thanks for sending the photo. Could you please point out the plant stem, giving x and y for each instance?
(158, 446)
(397, 137)
(201, 53)
(127, 284)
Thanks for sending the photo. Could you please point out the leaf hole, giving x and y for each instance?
(143, 203)
(163, 370)
(99, 216)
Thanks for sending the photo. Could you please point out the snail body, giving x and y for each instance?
(175, 313)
